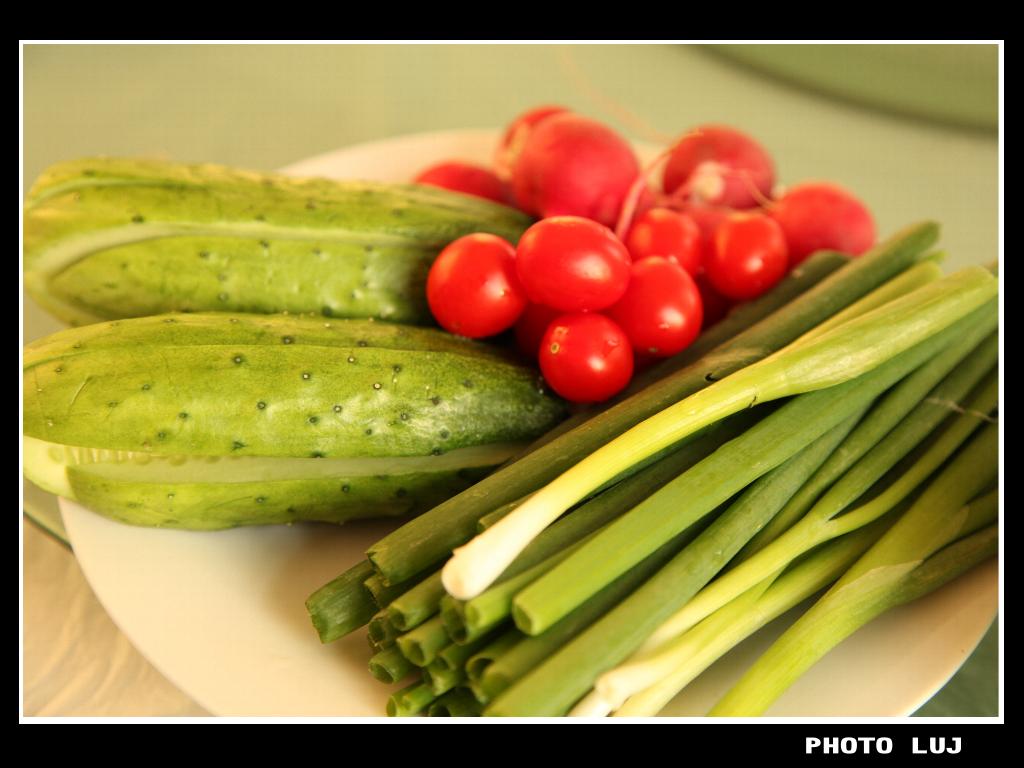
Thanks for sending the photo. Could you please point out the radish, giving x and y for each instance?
(466, 178)
(574, 166)
(718, 165)
(820, 215)
(515, 136)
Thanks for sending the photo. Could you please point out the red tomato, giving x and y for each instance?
(473, 289)
(531, 327)
(661, 311)
(514, 138)
(662, 232)
(585, 357)
(572, 264)
(466, 178)
(749, 256)
(707, 218)
(715, 305)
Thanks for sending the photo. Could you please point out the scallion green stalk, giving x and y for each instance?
(972, 352)
(478, 663)
(826, 519)
(411, 700)
(390, 666)
(441, 678)
(424, 600)
(884, 576)
(382, 633)
(644, 685)
(421, 645)
(457, 703)
(343, 604)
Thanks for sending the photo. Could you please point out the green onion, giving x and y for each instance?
(884, 576)
(491, 518)
(840, 355)
(343, 604)
(382, 594)
(824, 521)
(424, 600)
(907, 281)
(467, 620)
(478, 663)
(410, 700)
(652, 681)
(441, 678)
(430, 538)
(381, 632)
(965, 353)
(390, 666)
(530, 652)
(456, 656)
(421, 645)
(457, 703)
(554, 686)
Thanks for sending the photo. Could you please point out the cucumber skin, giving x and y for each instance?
(107, 238)
(215, 506)
(202, 385)
(126, 384)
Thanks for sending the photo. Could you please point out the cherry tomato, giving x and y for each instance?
(586, 357)
(531, 326)
(707, 218)
(661, 311)
(473, 289)
(466, 178)
(715, 305)
(749, 256)
(572, 264)
(662, 232)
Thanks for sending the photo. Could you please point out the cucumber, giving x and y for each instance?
(112, 238)
(207, 421)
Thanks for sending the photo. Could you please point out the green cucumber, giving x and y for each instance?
(110, 238)
(211, 421)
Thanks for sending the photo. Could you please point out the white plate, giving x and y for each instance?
(222, 614)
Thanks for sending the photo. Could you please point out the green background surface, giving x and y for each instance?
(910, 129)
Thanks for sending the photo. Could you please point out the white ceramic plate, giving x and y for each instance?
(222, 614)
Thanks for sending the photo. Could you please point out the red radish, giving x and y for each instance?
(749, 256)
(574, 166)
(585, 357)
(661, 310)
(466, 178)
(663, 232)
(472, 287)
(514, 138)
(819, 215)
(572, 264)
(719, 165)
(531, 327)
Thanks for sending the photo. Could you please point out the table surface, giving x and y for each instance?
(264, 106)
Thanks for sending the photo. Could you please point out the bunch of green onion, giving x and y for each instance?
(838, 430)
